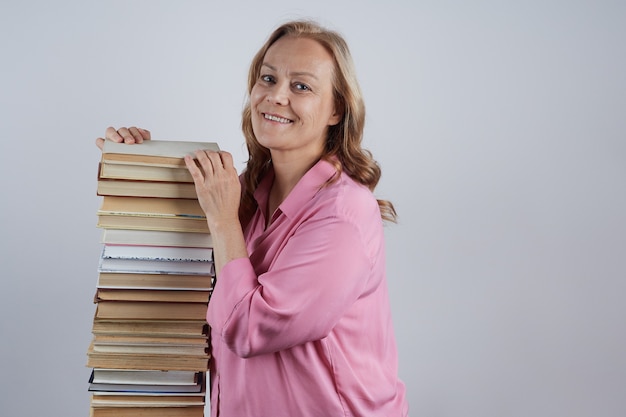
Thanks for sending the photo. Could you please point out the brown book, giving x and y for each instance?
(171, 296)
(112, 280)
(161, 189)
(138, 159)
(138, 310)
(148, 361)
(156, 238)
(168, 214)
(175, 411)
(144, 172)
(201, 340)
(151, 349)
(141, 206)
(175, 224)
(101, 400)
(151, 327)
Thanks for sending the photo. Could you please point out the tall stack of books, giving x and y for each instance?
(150, 348)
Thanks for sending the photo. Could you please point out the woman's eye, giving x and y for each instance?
(301, 87)
(267, 78)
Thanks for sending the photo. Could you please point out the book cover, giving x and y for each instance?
(154, 281)
(173, 214)
(156, 238)
(157, 207)
(147, 362)
(143, 339)
(137, 310)
(150, 349)
(134, 388)
(146, 411)
(151, 327)
(103, 399)
(163, 148)
(171, 296)
(135, 188)
(136, 172)
(161, 223)
(145, 377)
(149, 396)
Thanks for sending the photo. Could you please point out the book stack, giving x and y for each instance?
(150, 351)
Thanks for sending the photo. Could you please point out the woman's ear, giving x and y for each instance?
(337, 114)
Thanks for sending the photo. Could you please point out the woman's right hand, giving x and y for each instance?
(123, 134)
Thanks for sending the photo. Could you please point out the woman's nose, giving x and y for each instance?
(279, 94)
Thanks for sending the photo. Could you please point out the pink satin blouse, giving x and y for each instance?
(303, 326)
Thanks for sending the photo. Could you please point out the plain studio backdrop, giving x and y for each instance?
(501, 131)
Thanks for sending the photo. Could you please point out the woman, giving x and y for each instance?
(300, 317)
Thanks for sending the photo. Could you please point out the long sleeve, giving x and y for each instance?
(316, 276)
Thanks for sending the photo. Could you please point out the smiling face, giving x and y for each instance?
(292, 100)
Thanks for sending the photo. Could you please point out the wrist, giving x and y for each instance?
(224, 226)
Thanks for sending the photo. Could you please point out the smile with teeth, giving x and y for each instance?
(276, 118)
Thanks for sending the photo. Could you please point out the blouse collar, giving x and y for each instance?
(304, 190)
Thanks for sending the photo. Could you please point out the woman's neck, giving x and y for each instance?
(287, 173)
(289, 170)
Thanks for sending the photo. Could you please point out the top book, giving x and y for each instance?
(159, 152)
(164, 148)
(152, 160)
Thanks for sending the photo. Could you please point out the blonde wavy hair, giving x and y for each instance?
(343, 144)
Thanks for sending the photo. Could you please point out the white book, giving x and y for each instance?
(158, 253)
(138, 377)
(151, 266)
(164, 148)
(163, 389)
(151, 349)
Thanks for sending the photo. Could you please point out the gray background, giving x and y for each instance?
(501, 130)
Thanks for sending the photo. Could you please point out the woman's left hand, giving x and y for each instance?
(217, 185)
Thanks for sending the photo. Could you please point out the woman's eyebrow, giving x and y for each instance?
(296, 73)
